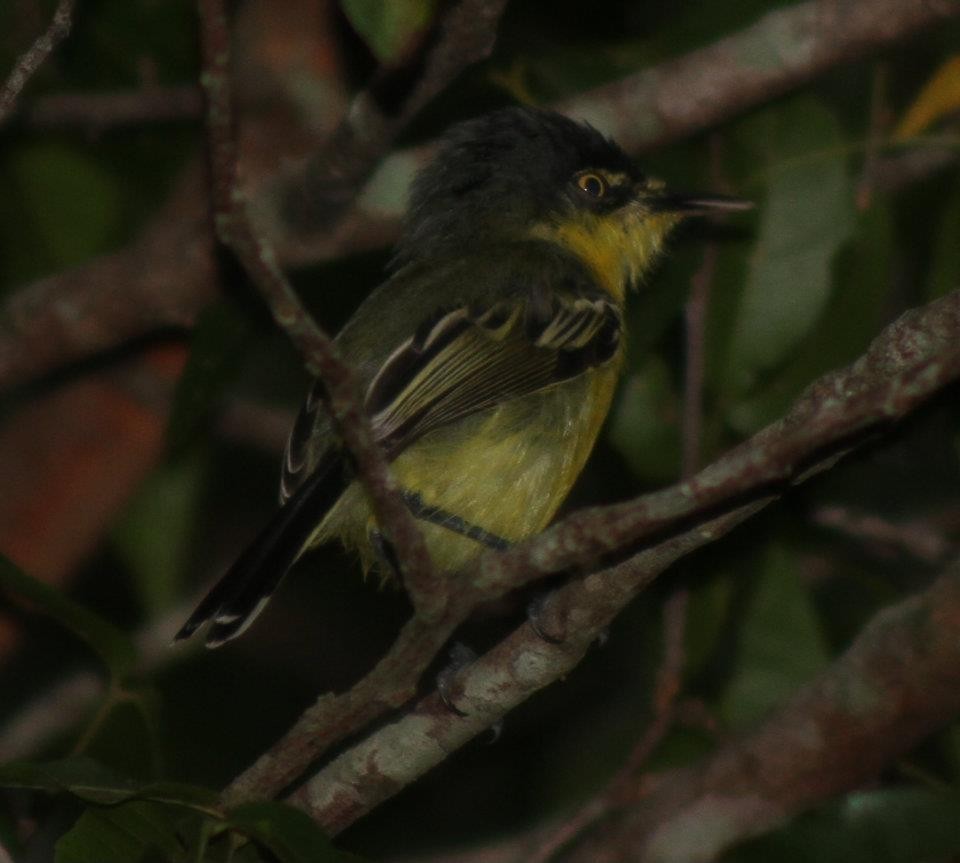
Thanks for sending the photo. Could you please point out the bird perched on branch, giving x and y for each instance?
(488, 358)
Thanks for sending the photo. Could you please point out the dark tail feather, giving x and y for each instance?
(242, 592)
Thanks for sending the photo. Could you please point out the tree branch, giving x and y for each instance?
(314, 196)
(898, 682)
(781, 51)
(394, 756)
(911, 360)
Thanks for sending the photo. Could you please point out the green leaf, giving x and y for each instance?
(217, 345)
(781, 645)
(289, 834)
(90, 781)
(125, 732)
(855, 313)
(113, 647)
(155, 532)
(136, 832)
(79, 775)
(707, 619)
(389, 27)
(807, 215)
(129, 821)
(894, 825)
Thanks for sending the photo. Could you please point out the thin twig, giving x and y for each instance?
(916, 539)
(875, 129)
(695, 315)
(35, 56)
(236, 230)
(61, 706)
(330, 179)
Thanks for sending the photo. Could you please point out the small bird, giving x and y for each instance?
(488, 358)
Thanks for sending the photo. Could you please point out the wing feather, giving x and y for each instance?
(465, 360)
(470, 360)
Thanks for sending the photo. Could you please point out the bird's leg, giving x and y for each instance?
(460, 657)
(386, 554)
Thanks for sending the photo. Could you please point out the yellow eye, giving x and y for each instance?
(592, 184)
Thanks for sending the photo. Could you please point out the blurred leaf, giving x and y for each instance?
(951, 745)
(90, 781)
(72, 203)
(806, 216)
(780, 642)
(81, 776)
(893, 825)
(124, 733)
(854, 315)
(291, 835)
(218, 343)
(113, 647)
(155, 532)
(939, 97)
(136, 832)
(945, 258)
(707, 620)
(389, 27)
(644, 428)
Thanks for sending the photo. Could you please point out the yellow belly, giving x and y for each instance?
(506, 470)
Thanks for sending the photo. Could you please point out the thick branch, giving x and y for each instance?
(911, 360)
(783, 50)
(396, 755)
(898, 682)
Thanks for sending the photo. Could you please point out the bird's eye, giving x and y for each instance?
(592, 184)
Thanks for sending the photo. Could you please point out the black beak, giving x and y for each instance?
(694, 204)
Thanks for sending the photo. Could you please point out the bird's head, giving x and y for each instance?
(522, 173)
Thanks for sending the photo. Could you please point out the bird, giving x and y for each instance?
(487, 358)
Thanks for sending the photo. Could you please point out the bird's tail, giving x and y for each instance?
(240, 595)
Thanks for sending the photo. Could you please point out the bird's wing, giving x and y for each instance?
(463, 360)
(466, 360)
